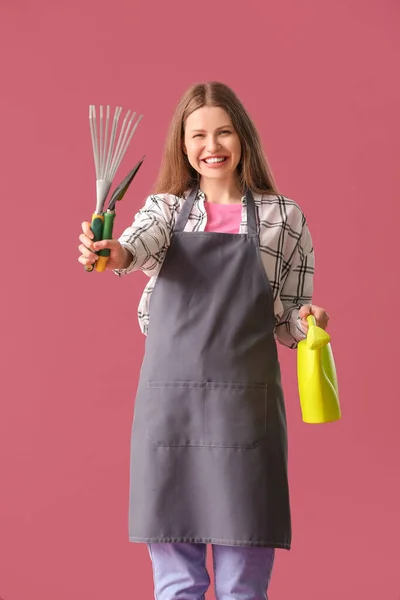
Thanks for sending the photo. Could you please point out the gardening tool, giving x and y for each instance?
(317, 378)
(108, 151)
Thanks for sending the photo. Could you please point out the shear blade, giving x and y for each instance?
(121, 190)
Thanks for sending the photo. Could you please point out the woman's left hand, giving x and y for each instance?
(320, 315)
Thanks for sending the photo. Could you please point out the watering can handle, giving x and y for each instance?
(311, 320)
(316, 336)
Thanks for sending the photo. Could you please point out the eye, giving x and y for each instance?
(225, 131)
(198, 135)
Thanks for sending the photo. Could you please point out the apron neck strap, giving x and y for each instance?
(186, 210)
(188, 206)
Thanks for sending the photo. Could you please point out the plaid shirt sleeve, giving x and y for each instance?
(296, 290)
(148, 238)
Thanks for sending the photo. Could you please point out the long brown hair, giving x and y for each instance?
(177, 175)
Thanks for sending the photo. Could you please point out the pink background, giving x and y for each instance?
(321, 81)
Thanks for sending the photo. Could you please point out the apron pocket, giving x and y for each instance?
(175, 413)
(236, 414)
(215, 414)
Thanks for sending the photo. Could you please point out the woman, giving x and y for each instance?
(231, 268)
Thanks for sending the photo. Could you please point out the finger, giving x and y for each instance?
(86, 241)
(86, 228)
(86, 252)
(324, 320)
(321, 317)
(103, 244)
(305, 310)
(303, 326)
(86, 261)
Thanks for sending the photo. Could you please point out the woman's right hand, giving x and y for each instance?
(120, 257)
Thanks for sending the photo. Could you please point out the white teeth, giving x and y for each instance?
(214, 160)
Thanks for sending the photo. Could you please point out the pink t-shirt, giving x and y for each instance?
(224, 218)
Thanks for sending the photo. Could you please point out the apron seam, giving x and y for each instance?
(220, 542)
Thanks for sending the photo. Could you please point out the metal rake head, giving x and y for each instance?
(109, 146)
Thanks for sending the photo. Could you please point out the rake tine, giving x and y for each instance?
(117, 160)
(101, 143)
(112, 138)
(124, 149)
(119, 141)
(92, 121)
(103, 159)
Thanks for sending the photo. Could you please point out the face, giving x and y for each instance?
(211, 143)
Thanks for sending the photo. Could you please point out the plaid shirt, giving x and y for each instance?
(285, 244)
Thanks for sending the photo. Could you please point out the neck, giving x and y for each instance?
(220, 191)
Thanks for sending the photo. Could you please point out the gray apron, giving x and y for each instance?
(209, 445)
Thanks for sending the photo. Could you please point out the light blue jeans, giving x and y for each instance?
(240, 572)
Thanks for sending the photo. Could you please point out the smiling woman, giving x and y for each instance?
(231, 266)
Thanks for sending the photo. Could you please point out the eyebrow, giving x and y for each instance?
(222, 127)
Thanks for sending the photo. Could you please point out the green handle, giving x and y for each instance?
(107, 231)
(97, 229)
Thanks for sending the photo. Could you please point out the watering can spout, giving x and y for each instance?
(317, 379)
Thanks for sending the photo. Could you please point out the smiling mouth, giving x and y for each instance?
(215, 160)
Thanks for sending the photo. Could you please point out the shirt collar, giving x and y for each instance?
(201, 196)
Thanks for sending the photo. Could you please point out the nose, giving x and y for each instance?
(212, 144)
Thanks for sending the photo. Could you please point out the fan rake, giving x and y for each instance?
(109, 148)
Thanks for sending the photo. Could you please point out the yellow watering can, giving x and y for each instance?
(316, 375)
